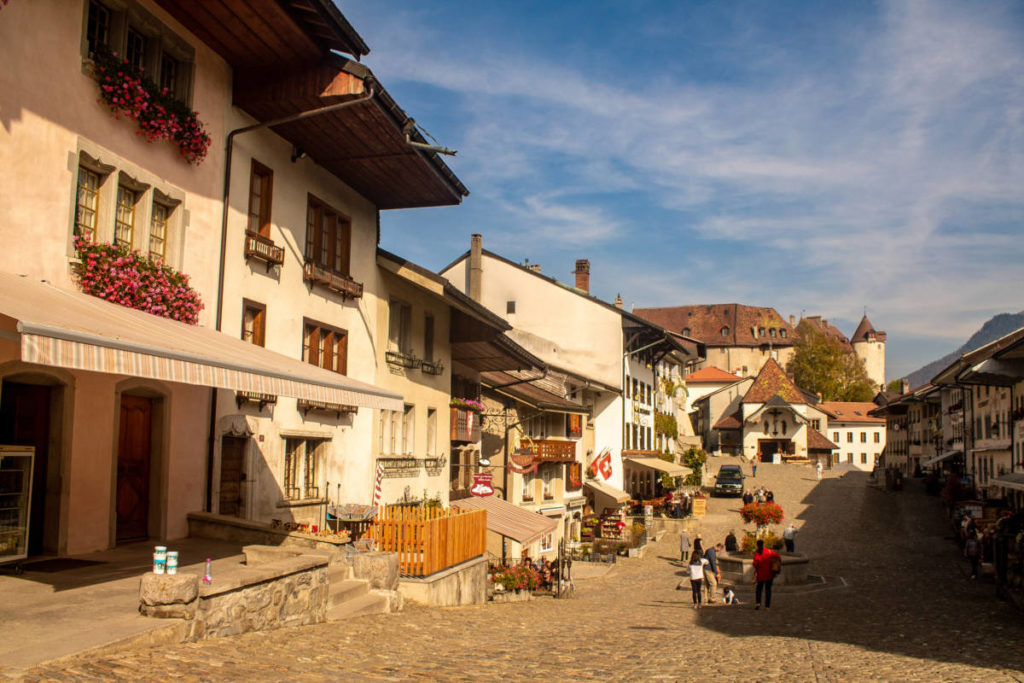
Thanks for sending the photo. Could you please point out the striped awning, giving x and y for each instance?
(74, 330)
(669, 468)
(511, 521)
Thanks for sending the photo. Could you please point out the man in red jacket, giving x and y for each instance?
(763, 574)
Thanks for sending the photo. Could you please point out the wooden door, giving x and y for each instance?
(25, 421)
(232, 474)
(133, 464)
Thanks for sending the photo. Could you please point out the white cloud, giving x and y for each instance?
(851, 173)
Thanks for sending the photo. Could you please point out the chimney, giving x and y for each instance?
(618, 301)
(905, 386)
(792, 320)
(583, 275)
(476, 265)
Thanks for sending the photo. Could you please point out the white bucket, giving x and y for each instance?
(160, 552)
(172, 562)
(159, 564)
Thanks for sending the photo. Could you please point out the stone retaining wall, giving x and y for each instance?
(463, 584)
(286, 592)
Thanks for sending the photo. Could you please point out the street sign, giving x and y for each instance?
(482, 485)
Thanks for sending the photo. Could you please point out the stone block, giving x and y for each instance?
(168, 589)
(380, 569)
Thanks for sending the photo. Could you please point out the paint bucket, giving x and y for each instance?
(159, 564)
(172, 562)
(160, 552)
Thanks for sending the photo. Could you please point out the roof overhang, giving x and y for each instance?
(508, 520)
(522, 390)
(1014, 480)
(939, 458)
(262, 33)
(364, 145)
(73, 330)
(606, 493)
(993, 372)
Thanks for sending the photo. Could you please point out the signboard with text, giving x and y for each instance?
(482, 486)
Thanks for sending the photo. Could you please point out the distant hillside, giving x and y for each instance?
(996, 327)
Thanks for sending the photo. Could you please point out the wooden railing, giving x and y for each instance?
(550, 450)
(263, 248)
(429, 540)
(333, 281)
(465, 425)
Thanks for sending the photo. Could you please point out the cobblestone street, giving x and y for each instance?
(896, 605)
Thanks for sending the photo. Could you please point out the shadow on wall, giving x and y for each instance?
(904, 592)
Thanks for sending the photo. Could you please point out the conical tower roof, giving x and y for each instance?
(864, 330)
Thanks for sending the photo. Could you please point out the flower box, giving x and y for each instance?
(263, 248)
(335, 282)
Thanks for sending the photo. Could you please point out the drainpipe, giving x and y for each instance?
(224, 246)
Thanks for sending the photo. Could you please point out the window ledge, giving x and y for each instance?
(301, 502)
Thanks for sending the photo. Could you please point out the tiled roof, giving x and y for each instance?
(772, 381)
(723, 324)
(710, 375)
(818, 442)
(829, 330)
(864, 329)
(729, 422)
(850, 411)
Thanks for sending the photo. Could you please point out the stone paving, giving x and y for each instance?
(902, 610)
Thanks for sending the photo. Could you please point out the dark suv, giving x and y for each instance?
(729, 481)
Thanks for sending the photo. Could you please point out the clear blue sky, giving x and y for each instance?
(810, 156)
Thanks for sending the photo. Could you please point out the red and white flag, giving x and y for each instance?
(377, 484)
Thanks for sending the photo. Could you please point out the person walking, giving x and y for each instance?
(696, 567)
(820, 468)
(698, 544)
(972, 549)
(712, 573)
(764, 574)
(789, 536)
(684, 546)
(731, 545)
(753, 466)
(748, 497)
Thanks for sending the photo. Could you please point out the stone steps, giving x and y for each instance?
(364, 605)
(346, 591)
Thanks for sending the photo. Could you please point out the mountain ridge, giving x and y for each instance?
(995, 327)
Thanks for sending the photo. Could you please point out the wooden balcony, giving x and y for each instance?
(337, 408)
(263, 248)
(465, 424)
(550, 450)
(335, 282)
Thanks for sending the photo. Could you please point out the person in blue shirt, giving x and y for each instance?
(712, 574)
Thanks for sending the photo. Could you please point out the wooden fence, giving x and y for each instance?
(429, 540)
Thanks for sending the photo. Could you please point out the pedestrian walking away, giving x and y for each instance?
(789, 536)
(819, 467)
(684, 546)
(972, 549)
(730, 541)
(712, 573)
(767, 564)
(698, 544)
(696, 567)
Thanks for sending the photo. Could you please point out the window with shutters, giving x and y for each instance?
(261, 190)
(328, 237)
(254, 323)
(326, 347)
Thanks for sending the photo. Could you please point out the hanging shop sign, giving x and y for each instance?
(482, 485)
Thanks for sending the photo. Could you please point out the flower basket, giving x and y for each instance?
(130, 93)
(468, 403)
(128, 278)
(762, 514)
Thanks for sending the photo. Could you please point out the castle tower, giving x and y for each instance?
(869, 345)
